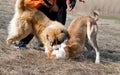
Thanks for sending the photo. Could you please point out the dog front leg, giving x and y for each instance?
(48, 48)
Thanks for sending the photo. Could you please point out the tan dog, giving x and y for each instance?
(26, 21)
(79, 29)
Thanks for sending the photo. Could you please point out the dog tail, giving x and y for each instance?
(95, 15)
(19, 6)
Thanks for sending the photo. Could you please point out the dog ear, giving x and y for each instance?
(72, 45)
(67, 34)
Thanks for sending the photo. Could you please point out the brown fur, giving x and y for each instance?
(77, 32)
(26, 21)
(79, 29)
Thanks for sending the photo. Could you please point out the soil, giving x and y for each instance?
(34, 61)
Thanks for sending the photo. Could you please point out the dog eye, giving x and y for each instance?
(62, 31)
(47, 37)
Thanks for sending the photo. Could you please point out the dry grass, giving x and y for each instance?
(35, 62)
(105, 7)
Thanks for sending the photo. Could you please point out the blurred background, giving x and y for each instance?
(105, 7)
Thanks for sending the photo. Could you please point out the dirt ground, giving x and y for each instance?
(35, 62)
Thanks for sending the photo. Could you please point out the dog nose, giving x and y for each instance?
(57, 49)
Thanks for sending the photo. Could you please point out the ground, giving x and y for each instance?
(34, 62)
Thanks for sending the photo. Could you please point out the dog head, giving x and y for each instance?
(67, 51)
(55, 33)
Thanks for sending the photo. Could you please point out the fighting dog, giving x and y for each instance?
(81, 29)
(26, 21)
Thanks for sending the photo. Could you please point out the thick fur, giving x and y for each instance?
(79, 29)
(26, 21)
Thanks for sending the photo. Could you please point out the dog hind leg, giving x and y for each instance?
(91, 34)
(18, 35)
(12, 38)
(15, 37)
(88, 45)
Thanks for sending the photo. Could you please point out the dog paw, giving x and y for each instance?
(97, 62)
(9, 42)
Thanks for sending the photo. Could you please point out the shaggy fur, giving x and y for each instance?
(79, 29)
(26, 21)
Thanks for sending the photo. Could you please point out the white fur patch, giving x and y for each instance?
(12, 28)
(46, 50)
(97, 60)
(60, 53)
